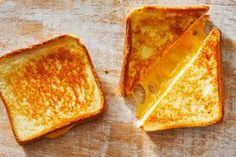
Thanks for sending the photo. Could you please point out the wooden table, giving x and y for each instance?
(100, 25)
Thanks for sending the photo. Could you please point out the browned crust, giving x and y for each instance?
(128, 37)
(220, 77)
(64, 123)
(219, 119)
(81, 122)
(172, 8)
(127, 52)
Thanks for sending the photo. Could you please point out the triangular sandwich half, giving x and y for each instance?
(150, 32)
(194, 97)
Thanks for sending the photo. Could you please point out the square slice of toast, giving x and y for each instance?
(49, 86)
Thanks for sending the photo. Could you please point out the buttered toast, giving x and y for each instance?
(49, 86)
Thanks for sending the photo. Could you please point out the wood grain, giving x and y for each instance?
(100, 25)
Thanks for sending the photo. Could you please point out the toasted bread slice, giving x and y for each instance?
(150, 32)
(49, 86)
(194, 97)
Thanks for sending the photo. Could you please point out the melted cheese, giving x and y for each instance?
(59, 132)
(158, 76)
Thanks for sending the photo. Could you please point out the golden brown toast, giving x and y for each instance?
(49, 86)
(194, 97)
(150, 31)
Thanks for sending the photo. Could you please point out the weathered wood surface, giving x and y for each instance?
(100, 25)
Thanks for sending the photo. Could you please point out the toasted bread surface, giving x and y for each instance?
(150, 32)
(61, 131)
(49, 86)
(194, 98)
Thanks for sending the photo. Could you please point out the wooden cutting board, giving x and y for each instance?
(100, 25)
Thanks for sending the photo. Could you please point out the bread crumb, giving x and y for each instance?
(106, 72)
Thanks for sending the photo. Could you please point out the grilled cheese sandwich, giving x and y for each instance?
(48, 87)
(155, 72)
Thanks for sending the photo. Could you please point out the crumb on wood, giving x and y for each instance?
(106, 71)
